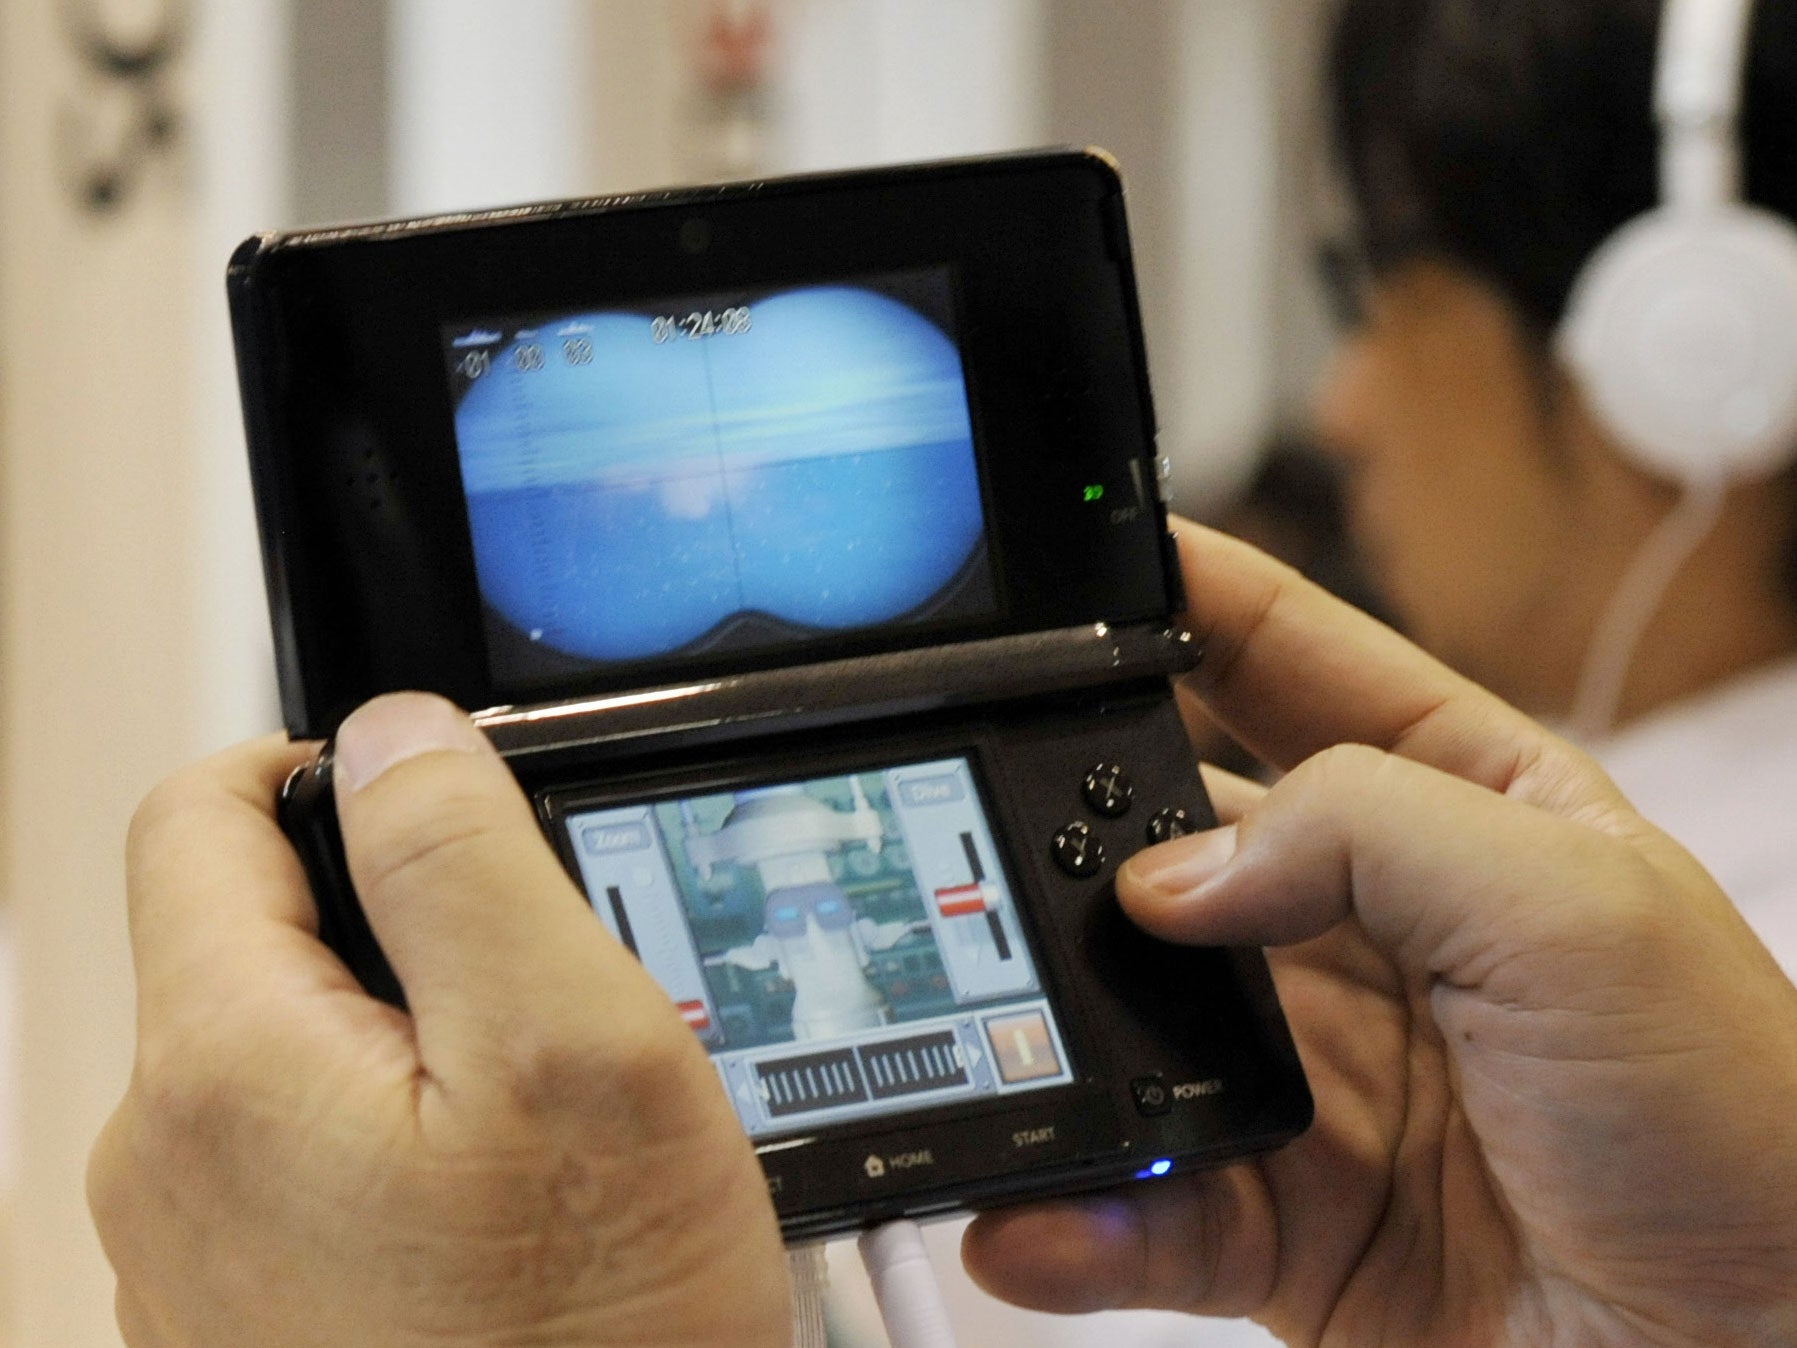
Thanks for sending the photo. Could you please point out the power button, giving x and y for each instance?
(1151, 1096)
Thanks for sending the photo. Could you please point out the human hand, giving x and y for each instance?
(1554, 1071)
(539, 1153)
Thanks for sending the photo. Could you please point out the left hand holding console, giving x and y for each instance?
(538, 1152)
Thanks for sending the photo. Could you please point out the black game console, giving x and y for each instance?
(800, 546)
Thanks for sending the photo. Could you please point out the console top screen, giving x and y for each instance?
(718, 473)
(537, 455)
(846, 947)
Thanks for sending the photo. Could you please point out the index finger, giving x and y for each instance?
(1289, 670)
(217, 898)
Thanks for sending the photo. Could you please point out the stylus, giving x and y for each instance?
(905, 1287)
(805, 1266)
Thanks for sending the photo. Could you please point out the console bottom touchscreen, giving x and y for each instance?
(846, 947)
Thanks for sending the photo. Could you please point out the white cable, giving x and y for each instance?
(1632, 607)
(810, 1277)
(905, 1287)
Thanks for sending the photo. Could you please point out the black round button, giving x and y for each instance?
(1077, 852)
(1151, 1096)
(1108, 790)
(1170, 824)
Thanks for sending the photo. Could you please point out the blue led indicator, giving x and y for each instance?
(1160, 1168)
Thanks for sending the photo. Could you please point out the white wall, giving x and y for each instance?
(131, 637)
(239, 186)
(871, 81)
(487, 109)
(1215, 372)
(591, 96)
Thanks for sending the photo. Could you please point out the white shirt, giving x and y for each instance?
(1719, 773)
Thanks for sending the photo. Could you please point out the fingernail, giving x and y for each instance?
(1178, 867)
(395, 727)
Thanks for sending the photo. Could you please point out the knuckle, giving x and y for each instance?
(1342, 771)
(545, 1076)
(1350, 760)
(163, 807)
(180, 1119)
(179, 1111)
(105, 1176)
(1224, 648)
(194, 1092)
(549, 1076)
(137, 1328)
(637, 1072)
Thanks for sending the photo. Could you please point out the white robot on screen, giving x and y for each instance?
(810, 930)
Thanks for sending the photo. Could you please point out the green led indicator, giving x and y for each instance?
(1095, 493)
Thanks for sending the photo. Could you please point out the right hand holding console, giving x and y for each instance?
(1554, 1071)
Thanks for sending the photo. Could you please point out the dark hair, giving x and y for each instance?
(1513, 136)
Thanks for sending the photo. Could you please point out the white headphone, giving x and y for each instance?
(1682, 328)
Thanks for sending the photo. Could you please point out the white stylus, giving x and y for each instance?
(905, 1287)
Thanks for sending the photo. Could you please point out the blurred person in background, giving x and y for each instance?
(1649, 606)
(1513, 524)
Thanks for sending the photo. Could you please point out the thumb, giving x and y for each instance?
(1448, 878)
(503, 963)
